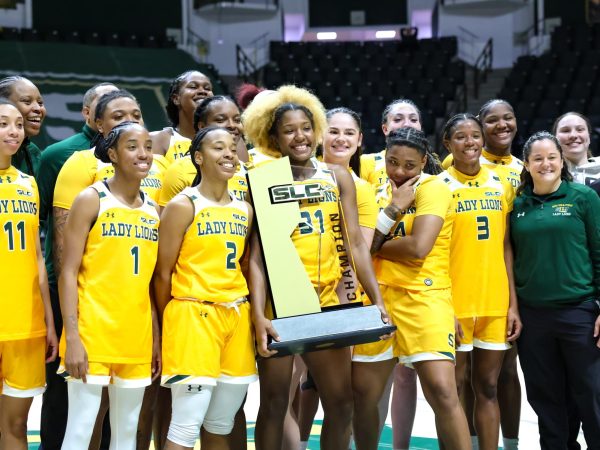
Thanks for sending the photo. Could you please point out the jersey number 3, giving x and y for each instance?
(483, 228)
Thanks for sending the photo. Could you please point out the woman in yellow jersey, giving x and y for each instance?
(201, 294)
(341, 146)
(484, 300)
(27, 335)
(186, 92)
(110, 254)
(398, 114)
(412, 257)
(500, 128)
(220, 111)
(289, 123)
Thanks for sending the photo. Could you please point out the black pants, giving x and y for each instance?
(558, 353)
(55, 404)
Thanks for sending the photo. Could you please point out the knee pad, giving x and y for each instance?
(226, 401)
(190, 403)
(184, 435)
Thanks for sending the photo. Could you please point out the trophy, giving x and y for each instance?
(301, 323)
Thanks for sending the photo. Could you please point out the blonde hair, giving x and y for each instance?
(260, 115)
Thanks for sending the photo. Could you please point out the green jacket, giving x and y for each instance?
(52, 160)
(27, 158)
(556, 243)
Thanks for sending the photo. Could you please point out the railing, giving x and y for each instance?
(197, 46)
(246, 68)
(457, 106)
(482, 66)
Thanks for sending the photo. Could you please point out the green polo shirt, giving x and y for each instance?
(19, 159)
(556, 243)
(52, 160)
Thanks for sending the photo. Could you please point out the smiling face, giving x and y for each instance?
(294, 136)
(28, 100)
(403, 163)
(195, 88)
(227, 115)
(132, 154)
(574, 137)
(122, 109)
(217, 156)
(499, 127)
(465, 143)
(341, 140)
(12, 130)
(401, 115)
(544, 163)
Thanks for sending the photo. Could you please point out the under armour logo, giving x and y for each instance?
(521, 214)
(192, 387)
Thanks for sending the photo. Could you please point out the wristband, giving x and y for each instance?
(384, 223)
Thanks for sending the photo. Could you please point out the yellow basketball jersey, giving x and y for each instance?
(367, 205)
(257, 158)
(372, 169)
(508, 167)
(22, 310)
(179, 147)
(208, 266)
(181, 174)
(83, 169)
(481, 204)
(115, 322)
(320, 226)
(432, 197)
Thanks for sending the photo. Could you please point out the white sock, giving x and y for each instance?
(84, 403)
(303, 445)
(510, 444)
(475, 442)
(124, 411)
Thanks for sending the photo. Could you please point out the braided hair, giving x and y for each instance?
(112, 140)
(171, 108)
(416, 139)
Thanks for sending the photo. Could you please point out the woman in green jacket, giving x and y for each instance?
(555, 230)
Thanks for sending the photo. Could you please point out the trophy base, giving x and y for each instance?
(328, 329)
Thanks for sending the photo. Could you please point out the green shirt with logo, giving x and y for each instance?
(556, 244)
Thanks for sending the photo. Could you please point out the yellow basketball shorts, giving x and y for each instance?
(23, 367)
(425, 321)
(121, 375)
(487, 333)
(208, 342)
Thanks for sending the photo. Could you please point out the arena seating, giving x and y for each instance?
(88, 37)
(563, 79)
(365, 76)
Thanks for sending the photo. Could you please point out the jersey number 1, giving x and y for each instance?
(135, 252)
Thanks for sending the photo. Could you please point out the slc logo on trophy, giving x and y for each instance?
(302, 324)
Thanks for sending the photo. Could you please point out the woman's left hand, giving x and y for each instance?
(513, 325)
(51, 344)
(385, 319)
(597, 331)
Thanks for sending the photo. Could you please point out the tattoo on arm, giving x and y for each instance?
(60, 221)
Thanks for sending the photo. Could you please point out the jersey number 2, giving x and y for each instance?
(230, 264)
(8, 228)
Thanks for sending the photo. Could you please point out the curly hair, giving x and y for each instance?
(261, 116)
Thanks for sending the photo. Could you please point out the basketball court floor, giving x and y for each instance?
(424, 436)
